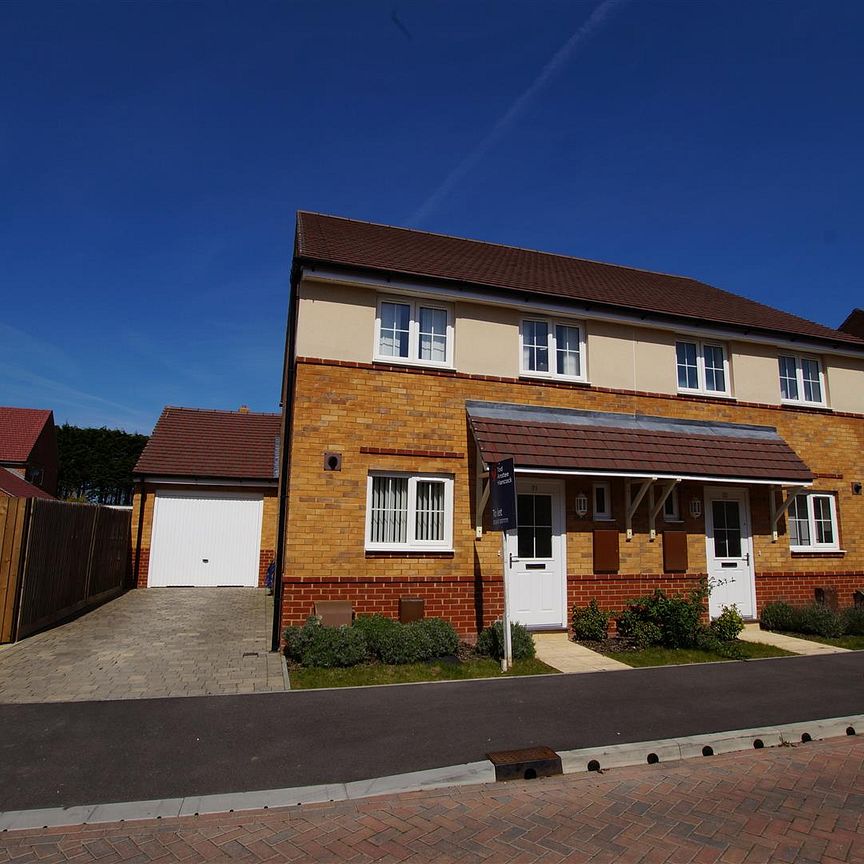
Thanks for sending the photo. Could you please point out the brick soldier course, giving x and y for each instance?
(803, 803)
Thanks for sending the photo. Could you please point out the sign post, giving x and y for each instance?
(502, 481)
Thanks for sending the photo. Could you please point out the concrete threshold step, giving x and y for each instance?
(572, 762)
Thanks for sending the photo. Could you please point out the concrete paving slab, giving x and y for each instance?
(753, 633)
(560, 652)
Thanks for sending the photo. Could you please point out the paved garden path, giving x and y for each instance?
(149, 643)
(803, 804)
(753, 633)
(560, 652)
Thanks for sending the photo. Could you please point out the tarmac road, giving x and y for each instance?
(71, 753)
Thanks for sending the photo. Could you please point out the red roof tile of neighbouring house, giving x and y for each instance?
(350, 243)
(854, 323)
(20, 428)
(192, 442)
(638, 445)
(14, 486)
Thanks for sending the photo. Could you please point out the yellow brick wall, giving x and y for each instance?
(343, 408)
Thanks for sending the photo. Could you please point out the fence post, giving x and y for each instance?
(27, 510)
(90, 553)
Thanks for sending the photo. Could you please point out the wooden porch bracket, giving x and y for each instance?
(482, 498)
(654, 507)
(633, 503)
(777, 513)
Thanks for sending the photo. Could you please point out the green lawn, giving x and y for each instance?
(369, 674)
(668, 656)
(853, 643)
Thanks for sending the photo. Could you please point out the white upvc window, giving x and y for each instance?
(552, 349)
(812, 519)
(702, 367)
(414, 331)
(409, 512)
(801, 380)
(602, 501)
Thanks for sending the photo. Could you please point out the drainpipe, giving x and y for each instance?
(289, 373)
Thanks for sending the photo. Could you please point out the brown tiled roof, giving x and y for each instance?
(19, 430)
(192, 442)
(645, 446)
(854, 323)
(14, 486)
(350, 243)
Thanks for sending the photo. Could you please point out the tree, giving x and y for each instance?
(96, 464)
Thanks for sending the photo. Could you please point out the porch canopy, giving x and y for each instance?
(636, 447)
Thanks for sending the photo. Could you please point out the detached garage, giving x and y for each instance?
(205, 507)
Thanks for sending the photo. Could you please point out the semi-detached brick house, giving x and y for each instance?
(662, 430)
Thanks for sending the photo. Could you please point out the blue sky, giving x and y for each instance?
(153, 155)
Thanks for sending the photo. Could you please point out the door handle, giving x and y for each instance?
(512, 559)
(747, 557)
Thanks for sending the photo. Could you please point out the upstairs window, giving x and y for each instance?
(552, 349)
(801, 380)
(812, 521)
(702, 368)
(409, 512)
(414, 331)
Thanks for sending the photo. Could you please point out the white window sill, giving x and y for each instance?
(411, 550)
(800, 403)
(420, 364)
(549, 376)
(682, 391)
(817, 549)
(673, 521)
(603, 519)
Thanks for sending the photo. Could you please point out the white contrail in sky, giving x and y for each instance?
(511, 115)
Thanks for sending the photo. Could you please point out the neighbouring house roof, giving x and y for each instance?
(193, 442)
(854, 323)
(632, 444)
(14, 486)
(20, 428)
(346, 242)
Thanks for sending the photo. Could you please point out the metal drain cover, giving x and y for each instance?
(525, 764)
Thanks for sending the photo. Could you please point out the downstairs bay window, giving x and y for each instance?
(409, 512)
(813, 523)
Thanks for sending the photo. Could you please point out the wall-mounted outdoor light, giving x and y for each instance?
(581, 504)
(695, 508)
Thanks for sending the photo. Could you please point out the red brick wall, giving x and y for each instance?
(143, 566)
(264, 561)
(798, 588)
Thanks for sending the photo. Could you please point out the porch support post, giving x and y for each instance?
(656, 507)
(634, 504)
(777, 513)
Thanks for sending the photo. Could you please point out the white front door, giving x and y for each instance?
(537, 583)
(729, 547)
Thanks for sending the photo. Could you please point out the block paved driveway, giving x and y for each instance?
(803, 804)
(148, 643)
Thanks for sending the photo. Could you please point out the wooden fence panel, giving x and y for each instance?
(73, 561)
(14, 513)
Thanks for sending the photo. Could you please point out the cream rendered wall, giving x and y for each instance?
(845, 384)
(335, 322)
(487, 340)
(656, 370)
(755, 373)
(611, 357)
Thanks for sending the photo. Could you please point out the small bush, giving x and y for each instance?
(491, 641)
(678, 619)
(853, 621)
(708, 640)
(591, 622)
(780, 616)
(442, 638)
(728, 624)
(379, 630)
(821, 620)
(394, 643)
(314, 645)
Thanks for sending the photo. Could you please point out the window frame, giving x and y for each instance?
(799, 379)
(552, 349)
(412, 544)
(813, 546)
(414, 305)
(675, 515)
(701, 388)
(601, 515)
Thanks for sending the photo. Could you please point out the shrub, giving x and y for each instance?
(646, 634)
(708, 640)
(314, 645)
(678, 619)
(392, 642)
(728, 624)
(590, 623)
(780, 616)
(853, 620)
(821, 620)
(491, 641)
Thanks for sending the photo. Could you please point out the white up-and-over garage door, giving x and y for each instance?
(205, 539)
